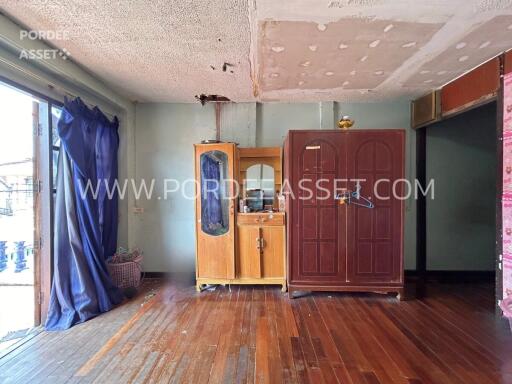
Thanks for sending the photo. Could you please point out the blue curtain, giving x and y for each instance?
(85, 223)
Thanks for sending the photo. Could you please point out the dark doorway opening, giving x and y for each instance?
(457, 228)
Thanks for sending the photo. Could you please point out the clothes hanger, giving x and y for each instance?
(355, 198)
(357, 195)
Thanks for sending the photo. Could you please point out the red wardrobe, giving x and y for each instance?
(335, 244)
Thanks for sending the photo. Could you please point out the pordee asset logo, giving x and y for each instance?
(44, 53)
(306, 189)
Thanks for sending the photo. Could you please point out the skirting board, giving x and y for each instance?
(410, 275)
(453, 276)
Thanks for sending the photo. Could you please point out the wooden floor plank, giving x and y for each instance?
(256, 334)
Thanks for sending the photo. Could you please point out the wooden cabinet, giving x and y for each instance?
(333, 245)
(236, 248)
(261, 248)
(215, 211)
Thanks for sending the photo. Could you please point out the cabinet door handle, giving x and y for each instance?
(260, 243)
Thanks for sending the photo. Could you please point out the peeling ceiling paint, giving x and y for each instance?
(298, 50)
(353, 53)
(489, 39)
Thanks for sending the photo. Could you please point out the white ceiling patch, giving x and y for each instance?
(277, 49)
(388, 28)
(374, 44)
(409, 45)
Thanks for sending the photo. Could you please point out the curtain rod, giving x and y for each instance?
(60, 90)
(88, 103)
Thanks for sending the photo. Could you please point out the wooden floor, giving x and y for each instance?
(256, 334)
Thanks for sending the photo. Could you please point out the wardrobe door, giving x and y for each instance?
(374, 235)
(318, 222)
(215, 212)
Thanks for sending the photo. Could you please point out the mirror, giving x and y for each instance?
(214, 194)
(259, 187)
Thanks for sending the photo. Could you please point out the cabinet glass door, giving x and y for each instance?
(215, 211)
(214, 196)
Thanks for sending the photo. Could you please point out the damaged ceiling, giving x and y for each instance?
(267, 50)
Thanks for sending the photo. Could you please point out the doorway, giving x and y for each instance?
(461, 158)
(25, 211)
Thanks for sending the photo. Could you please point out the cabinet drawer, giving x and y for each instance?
(260, 219)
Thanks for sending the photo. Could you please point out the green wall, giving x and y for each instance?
(461, 158)
(164, 138)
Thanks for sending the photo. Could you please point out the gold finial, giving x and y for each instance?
(345, 122)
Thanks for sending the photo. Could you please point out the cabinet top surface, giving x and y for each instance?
(360, 130)
(260, 213)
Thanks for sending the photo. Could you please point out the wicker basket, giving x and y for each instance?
(127, 274)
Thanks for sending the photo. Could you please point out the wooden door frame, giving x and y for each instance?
(43, 208)
(421, 211)
(38, 154)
